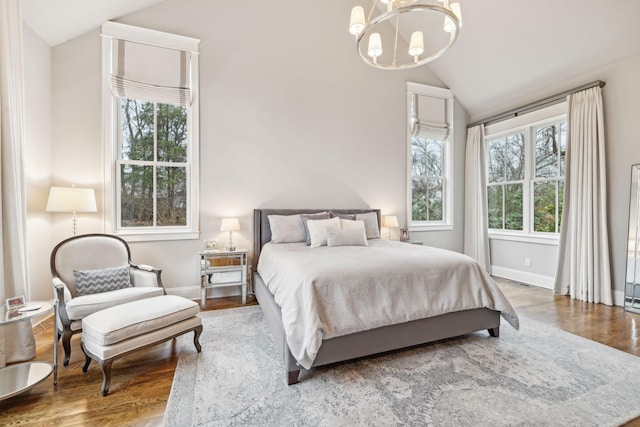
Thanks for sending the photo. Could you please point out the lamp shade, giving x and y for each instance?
(356, 23)
(416, 46)
(390, 221)
(375, 45)
(71, 199)
(230, 224)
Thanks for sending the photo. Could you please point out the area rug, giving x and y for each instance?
(536, 376)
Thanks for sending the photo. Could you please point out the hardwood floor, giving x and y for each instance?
(141, 382)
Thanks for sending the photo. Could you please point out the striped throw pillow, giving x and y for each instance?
(101, 280)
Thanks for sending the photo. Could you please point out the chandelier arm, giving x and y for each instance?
(406, 9)
(395, 42)
(373, 6)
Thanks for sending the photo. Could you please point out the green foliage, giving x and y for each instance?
(427, 184)
(148, 138)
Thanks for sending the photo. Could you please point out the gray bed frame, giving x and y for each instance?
(364, 343)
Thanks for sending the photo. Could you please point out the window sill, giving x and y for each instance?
(431, 227)
(539, 239)
(139, 236)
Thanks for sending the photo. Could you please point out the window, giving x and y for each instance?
(153, 166)
(151, 142)
(525, 176)
(429, 180)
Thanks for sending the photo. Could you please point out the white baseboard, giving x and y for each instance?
(541, 281)
(523, 276)
(618, 298)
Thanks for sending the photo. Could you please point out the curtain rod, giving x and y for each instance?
(555, 99)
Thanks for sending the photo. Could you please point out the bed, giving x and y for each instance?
(385, 335)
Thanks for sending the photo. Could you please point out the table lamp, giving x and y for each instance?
(390, 221)
(230, 225)
(72, 199)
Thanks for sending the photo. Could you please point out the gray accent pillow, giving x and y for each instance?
(343, 215)
(346, 237)
(101, 280)
(370, 224)
(286, 229)
(313, 216)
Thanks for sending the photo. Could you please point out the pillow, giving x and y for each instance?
(286, 229)
(346, 224)
(101, 280)
(343, 215)
(306, 217)
(370, 224)
(346, 237)
(318, 230)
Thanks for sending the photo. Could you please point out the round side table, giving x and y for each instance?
(20, 377)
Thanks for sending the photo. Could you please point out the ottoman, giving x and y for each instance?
(125, 328)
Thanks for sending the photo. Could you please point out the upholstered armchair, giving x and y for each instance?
(92, 272)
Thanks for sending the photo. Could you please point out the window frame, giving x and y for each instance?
(447, 153)
(526, 123)
(112, 143)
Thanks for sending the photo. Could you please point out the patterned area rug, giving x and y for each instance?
(536, 376)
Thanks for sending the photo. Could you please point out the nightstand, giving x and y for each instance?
(222, 268)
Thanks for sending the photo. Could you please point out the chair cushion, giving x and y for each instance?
(101, 280)
(115, 324)
(81, 307)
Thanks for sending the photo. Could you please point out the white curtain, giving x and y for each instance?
(583, 257)
(16, 340)
(476, 233)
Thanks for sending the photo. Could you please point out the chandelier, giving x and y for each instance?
(387, 33)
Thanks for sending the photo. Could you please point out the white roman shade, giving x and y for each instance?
(429, 117)
(141, 68)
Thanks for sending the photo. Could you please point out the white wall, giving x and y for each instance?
(290, 117)
(620, 97)
(37, 161)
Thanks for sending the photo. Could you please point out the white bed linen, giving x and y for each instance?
(328, 292)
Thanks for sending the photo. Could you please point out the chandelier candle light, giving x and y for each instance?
(409, 20)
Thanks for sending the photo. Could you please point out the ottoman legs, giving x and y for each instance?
(105, 365)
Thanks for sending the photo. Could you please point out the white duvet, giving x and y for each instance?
(327, 292)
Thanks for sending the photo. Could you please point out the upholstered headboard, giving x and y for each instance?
(262, 229)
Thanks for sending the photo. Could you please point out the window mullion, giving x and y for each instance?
(155, 163)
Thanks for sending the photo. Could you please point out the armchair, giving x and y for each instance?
(93, 253)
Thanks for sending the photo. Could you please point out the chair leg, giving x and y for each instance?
(196, 338)
(66, 345)
(105, 366)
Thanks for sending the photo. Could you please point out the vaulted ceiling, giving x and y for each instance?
(509, 51)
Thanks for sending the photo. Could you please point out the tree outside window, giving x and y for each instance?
(427, 168)
(525, 179)
(152, 164)
(506, 176)
(548, 183)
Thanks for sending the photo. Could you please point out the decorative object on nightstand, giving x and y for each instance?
(230, 225)
(72, 199)
(390, 221)
(223, 268)
(404, 235)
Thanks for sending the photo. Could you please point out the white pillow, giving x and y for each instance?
(346, 237)
(286, 229)
(318, 230)
(348, 224)
(370, 224)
